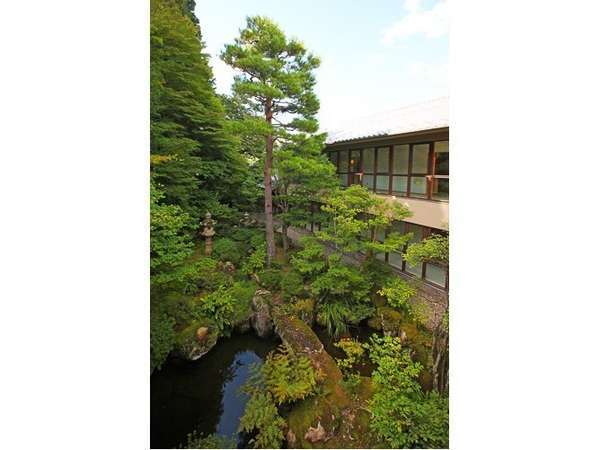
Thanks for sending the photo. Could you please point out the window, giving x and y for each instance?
(435, 274)
(440, 189)
(368, 160)
(383, 159)
(420, 159)
(440, 186)
(343, 161)
(333, 157)
(380, 237)
(419, 170)
(382, 181)
(355, 161)
(401, 159)
(343, 167)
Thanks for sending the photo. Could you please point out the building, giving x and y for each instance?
(402, 154)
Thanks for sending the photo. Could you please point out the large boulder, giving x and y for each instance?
(262, 320)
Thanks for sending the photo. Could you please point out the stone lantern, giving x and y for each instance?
(209, 231)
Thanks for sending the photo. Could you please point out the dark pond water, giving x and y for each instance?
(203, 395)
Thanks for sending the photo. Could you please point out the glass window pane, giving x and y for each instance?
(343, 161)
(420, 157)
(435, 274)
(368, 181)
(355, 161)
(418, 187)
(401, 158)
(440, 189)
(343, 179)
(416, 270)
(380, 256)
(417, 232)
(399, 184)
(383, 159)
(395, 260)
(383, 183)
(380, 235)
(333, 158)
(442, 158)
(398, 227)
(369, 160)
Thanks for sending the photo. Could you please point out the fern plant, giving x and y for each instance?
(288, 376)
(261, 416)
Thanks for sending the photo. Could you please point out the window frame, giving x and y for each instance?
(429, 175)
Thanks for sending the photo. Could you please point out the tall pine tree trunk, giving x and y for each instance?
(268, 188)
(284, 225)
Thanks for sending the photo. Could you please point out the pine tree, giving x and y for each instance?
(276, 84)
(303, 174)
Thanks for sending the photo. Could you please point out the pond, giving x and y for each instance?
(204, 395)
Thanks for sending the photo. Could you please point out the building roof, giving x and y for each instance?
(423, 116)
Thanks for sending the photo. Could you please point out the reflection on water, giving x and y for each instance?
(203, 395)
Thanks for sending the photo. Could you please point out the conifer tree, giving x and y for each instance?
(276, 84)
(302, 174)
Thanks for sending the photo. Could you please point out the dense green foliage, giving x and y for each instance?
(292, 285)
(398, 292)
(288, 376)
(171, 243)
(403, 415)
(433, 249)
(226, 249)
(195, 440)
(283, 378)
(344, 291)
(218, 305)
(201, 169)
(262, 417)
(162, 339)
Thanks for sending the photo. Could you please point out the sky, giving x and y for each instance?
(375, 55)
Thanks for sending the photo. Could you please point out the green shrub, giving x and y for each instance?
(398, 293)
(256, 261)
(354, 351)
(333, 315)
(351, 383)
(288, 376)
(242, 292)
(195, 440)
(226, 249)
(218, 306)
(261, 416)
(377, 272)
(162, 339)
(337, 314)
(270, 279)
(292, 285)
(402, 414)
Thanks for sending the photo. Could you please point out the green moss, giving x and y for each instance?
(188, 346)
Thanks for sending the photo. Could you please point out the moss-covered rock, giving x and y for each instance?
(189, 346)
(261, 319)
